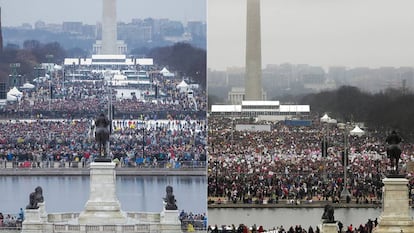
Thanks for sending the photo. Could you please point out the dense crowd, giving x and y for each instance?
(368, 227)
(161, 143)
(287, 163)
(58, 98)
(163, 130)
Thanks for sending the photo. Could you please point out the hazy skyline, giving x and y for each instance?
(90, 11)
(324, 33)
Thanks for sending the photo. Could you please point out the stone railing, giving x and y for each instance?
(66, 228)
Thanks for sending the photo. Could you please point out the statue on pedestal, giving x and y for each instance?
(394, 150)
(170, 199)
(35, 198)
(102, 133)
(328, 214)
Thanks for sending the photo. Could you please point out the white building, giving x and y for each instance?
(103, 62)
(261, 110)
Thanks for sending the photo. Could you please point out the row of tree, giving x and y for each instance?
(188, 60)
(387, 110)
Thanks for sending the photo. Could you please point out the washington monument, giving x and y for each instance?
(109, 27)
(253, 79)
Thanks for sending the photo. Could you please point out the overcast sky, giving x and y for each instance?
(352, 33)
(16, 12)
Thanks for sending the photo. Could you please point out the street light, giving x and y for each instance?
(216, 170)
(143, 140)
(345, 193)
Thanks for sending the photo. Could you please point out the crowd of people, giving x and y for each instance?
(287, 163)
(193, 222)
(11, 222)
(59, 98)
(368, 227)
(54, 123)
(156, 143)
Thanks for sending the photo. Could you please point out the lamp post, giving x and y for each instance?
(345, 193)
(143, 140)
(216, 170)
(110, 116)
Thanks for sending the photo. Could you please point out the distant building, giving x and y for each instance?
(121, 47)
(262, 110)
(197, 28)
(39, 25)
(108, 61)
(237, 94)
(72, 27)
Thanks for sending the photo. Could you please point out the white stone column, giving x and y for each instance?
(396, 214)
(253, 78)
(103, 207)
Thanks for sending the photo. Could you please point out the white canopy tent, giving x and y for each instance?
(14, 94)
(183, 86)
(11, 97)
(28, 86)
(14, 91)
(166, 73)
(325, 118)
(357, 131)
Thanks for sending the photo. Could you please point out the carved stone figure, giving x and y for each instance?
(39, 194)
(32, 201)
(328, 214)
(170, 199)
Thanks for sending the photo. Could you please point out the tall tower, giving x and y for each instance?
(109, 27)
(253, 79)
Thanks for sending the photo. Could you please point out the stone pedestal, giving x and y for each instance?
(329, 228)
(169, 217)
(32, 222)
(396, 215)
(103, 207)
(169, 221)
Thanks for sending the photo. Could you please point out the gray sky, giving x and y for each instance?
(352, 33)
(16, 12)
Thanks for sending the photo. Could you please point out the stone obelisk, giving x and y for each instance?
(253, 79)
(109, 27)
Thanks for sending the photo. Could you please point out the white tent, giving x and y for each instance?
(57, 67)
(11, 97)
(28, 86)
(183, 86)
(357, 131)
(166, 73)
(15, 92)
(325, 118)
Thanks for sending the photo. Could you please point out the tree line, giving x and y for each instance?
(182, 57)
(391, 109)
